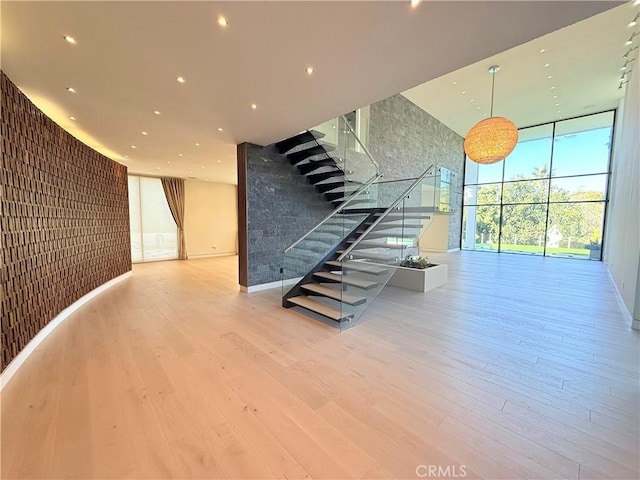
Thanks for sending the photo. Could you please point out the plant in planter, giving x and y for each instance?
(595, 250)
(416, 262)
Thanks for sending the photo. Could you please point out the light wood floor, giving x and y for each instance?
(519, 367)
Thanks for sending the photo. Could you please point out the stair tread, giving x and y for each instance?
(364, 244)
(375, 235)
(301, 138)
(369, 256)
(389, 226)
(299, 156)
(359, 267)
(335, 294)
(356, 282)
(320, 308)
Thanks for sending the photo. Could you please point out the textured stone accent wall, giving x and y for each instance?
(281, 207)
(405, 140)
(65, 220)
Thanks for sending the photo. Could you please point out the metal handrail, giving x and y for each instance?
(366, 150)
(336, 210)
(386, 212)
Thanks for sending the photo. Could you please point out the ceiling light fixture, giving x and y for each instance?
(549, 76)
(72, 118)
(156, 112)
(415, 3)
(197, 144)
(179, 154)
(254, 106)
(222, 21)
(145, 133)
(220, 129)
(71, 90)
(492, 139)
(542, 50)
(634, 22)
(181, 79)
(133, 146)
(630, 41)
(70, 39)
(547, 64)
(309, 70)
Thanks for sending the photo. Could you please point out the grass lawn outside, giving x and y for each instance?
(583, 252)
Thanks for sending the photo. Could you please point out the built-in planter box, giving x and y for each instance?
(419, 280)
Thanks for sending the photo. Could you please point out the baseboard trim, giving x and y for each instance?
(635, 323)
(17, 362)
(207, 255)
(270, 285)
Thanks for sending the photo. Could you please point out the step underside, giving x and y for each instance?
(346, 280)
(344, 297)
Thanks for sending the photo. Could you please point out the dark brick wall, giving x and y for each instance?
(282, 206)
(65, 220)
(405, 140)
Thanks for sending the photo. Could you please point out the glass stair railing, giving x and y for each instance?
(340, 266)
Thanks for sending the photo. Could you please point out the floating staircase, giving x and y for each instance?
(343, 262)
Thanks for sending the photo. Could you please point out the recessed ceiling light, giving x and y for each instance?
(464, 92)
(218, 161)
(254, 106)
(555, 96)
(553, 88)
(179, 154)
(204, 166)
(484, 115)
(557, 104)
(72, 118)
(70, 39)
(559, 111)
(549, 76)
(415, 3)
(157, 168)
(542, 50)
(623, 67)
(168, 163)
(223, 22)
(634, 22)
(309, 70)
(197, 144)
(156, 112)
(126, 156)
(133, 146)
(71, 90)
(547, 64)
(181, 79)
(478, 107)
(145, 133)
(220, 129)
(454, 83)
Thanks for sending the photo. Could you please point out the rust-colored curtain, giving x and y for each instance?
(174, 191)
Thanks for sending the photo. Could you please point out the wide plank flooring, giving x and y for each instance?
(519, 367)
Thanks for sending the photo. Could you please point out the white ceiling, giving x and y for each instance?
(583, 61)
(129, 55)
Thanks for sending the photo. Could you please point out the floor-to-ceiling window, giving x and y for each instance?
(548, 197)
(154, 235)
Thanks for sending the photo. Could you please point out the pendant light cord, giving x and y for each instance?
(493, 84)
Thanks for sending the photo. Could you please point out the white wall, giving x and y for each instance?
(622, 247)
(211, 218)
